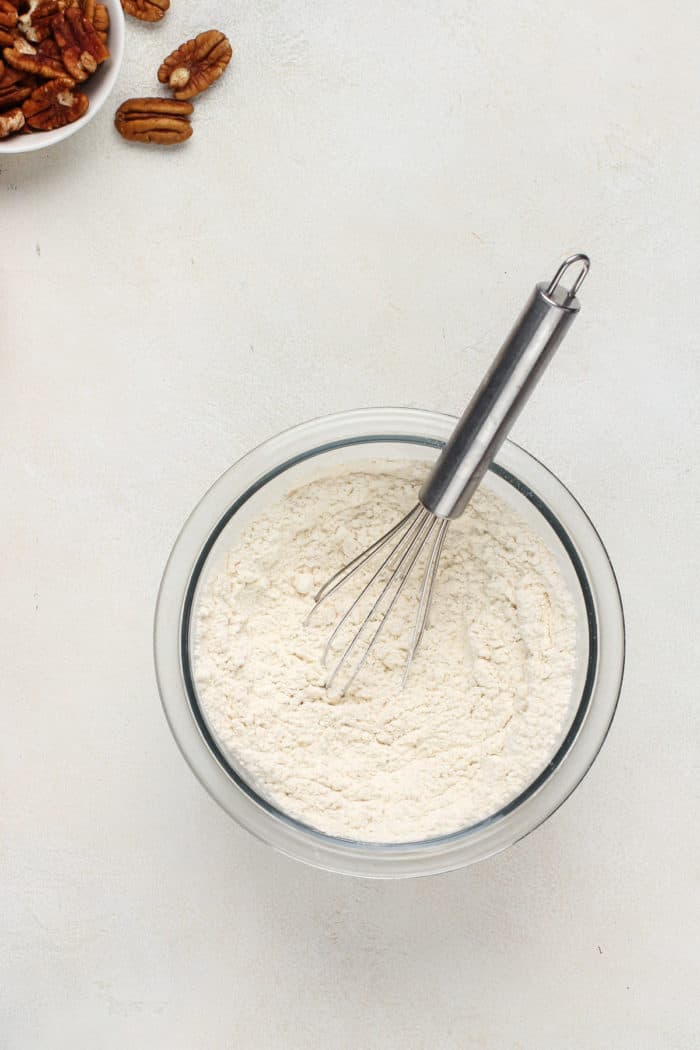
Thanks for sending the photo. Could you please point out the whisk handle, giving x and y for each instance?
(492, 411)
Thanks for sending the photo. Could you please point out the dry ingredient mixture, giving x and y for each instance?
(487, 697)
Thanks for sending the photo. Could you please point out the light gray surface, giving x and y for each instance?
(373, 189)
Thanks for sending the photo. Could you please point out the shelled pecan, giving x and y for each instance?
(15, 87)
(10, 122)
(8, 14)
(196, 64)
(42, 59)
(101, 22)
(100, 19)
(81, 49)
(146, 10)
(35, 22)
(156, 120)
(54, 104)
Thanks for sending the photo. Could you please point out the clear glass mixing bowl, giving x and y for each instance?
(281, 463)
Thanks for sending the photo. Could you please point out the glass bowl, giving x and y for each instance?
(299, 454)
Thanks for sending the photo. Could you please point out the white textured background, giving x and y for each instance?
(367, 199)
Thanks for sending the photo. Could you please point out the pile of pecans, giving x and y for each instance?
(188, 71)
(48, 48)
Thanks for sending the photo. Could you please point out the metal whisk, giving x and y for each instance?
(466, 457)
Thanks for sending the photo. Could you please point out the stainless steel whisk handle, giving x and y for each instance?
(495, 406)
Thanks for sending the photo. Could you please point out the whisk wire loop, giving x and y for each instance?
(348, 571)
(419, 536)
(416, 523)
(426, 596)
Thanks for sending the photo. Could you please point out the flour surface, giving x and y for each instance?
(488, 693)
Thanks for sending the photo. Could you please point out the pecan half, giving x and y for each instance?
(35, 23)
(8, 14)
(15, 86)
(196, 64)
(11, 122)
(41, 59)
(158, 120)
(55, 104)
(81, 48)
(146, 10)
(100, 18)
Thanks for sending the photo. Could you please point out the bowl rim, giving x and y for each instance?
(17, 144)
(537, 802)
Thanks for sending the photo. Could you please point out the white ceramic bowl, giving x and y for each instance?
(98, 88)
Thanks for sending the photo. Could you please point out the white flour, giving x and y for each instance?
(488, 693)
